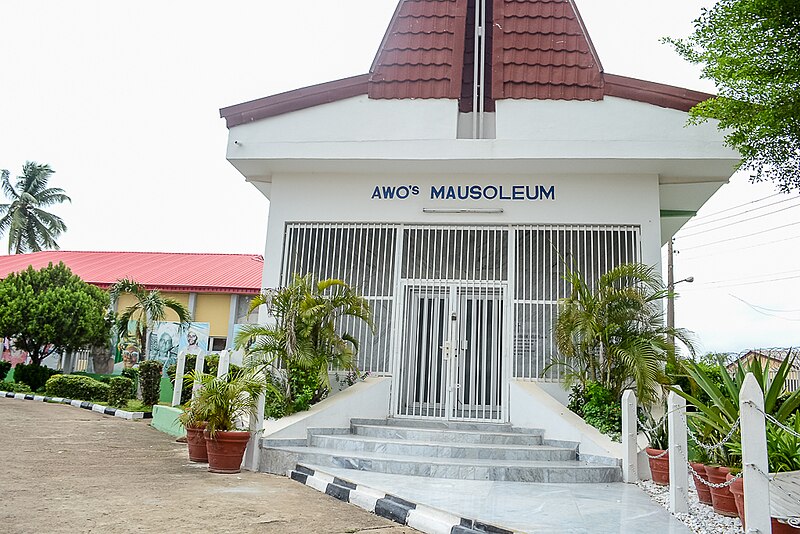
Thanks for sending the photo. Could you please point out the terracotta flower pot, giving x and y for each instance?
(783, 528)
(737, 489)
(703, 491)
(721, 498)
(225, 451)
(659, 467)
(197, 443)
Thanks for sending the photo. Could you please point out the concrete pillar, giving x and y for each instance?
(252, 456)
(678, 454)
(224, 363)
(180, 370)
(232, 320)
(198, 368)
(630, 431)
(754, 457)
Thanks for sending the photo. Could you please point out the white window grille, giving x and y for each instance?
(543, 255)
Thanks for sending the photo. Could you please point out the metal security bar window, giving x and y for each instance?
(451, 341)
(543, 254)
(363, 256)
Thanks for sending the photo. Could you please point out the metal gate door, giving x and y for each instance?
(451, 354)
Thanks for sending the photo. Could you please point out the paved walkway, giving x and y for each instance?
(66, 470)
(526, 507)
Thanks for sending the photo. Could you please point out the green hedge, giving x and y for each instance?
(150, 378)
(36, 376)
(5, 367)
(119, 391)
(77, 387)
(14, 387)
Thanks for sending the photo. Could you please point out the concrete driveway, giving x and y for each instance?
(70, 470)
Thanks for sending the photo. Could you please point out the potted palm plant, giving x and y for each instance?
(194, 421)
(657, 454)
(720, 415)
(226, 403)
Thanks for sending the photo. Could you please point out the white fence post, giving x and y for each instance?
(224, 363)
(630, 432)
(678, 454)
(252, 456)
(755, 464)
(180, 370)
(198, 367)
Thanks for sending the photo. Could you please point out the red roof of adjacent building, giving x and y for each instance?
(540, 49)
(201, 273)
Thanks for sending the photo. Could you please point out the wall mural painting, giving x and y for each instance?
(13, 354)
(167, 339)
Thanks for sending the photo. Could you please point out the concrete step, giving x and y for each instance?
(452, 468)
(532, 437)
(406, 447)
(439, 425)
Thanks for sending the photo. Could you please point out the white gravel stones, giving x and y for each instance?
(701, 517)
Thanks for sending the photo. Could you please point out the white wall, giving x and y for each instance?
(579, 199)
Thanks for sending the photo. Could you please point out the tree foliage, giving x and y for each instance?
(611, 331)
(306, 336)
(751, 50)
(150, 307)
(30, 227)
(52, 310)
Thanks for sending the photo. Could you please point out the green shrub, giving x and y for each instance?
(35, 376)
(598, 407)
(210, 366)
(15, 387)
(305, 389)
(100, 378)
(5, 367)
(133, 374)
(150, 377)
(119, 391)
(76, 387)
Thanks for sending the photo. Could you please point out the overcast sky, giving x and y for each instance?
(122, 100)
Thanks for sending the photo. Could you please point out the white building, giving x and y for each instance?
(453, 193)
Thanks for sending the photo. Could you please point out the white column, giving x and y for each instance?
(180, 370)
(232, 320)
(224, 363)
(198, 368)
(630, 448)
(252, 456)
(754, 457)
(678, 457)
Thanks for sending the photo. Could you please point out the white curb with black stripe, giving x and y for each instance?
(86, 405)
(421, 517)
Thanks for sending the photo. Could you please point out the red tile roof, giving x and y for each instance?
(422, 52)
(540, 50)
(201, 273)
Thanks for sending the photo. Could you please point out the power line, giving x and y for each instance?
(768, 309)
(747, 283)
(692, 225)
(755, 308)
(735, 207)
(735, 249)
(741, 236)
(793, 271)
(739, 222)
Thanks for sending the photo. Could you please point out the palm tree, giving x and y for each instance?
(30, 227)
(305, 335)
(614, 333)
(150, 307)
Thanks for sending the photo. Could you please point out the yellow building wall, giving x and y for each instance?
(214, 309)
(210, 308)
(183, 298)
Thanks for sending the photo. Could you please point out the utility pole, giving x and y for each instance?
(670, 289)
(671, 283)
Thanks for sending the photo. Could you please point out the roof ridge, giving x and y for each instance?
(141, 252)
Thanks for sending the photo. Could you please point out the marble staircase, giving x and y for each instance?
(450, 450)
